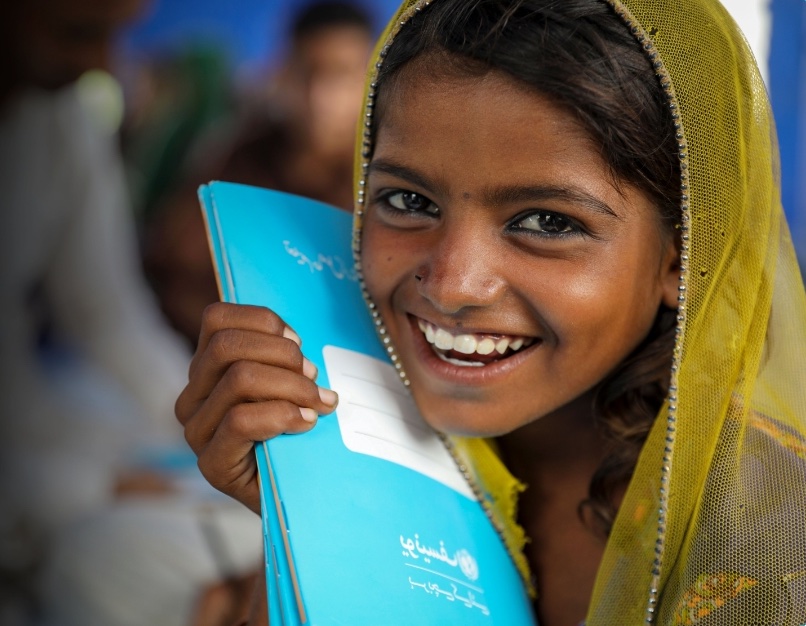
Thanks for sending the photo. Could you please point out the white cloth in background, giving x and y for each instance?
(72, 418)
(69, 251)
(184, 545)
(67, 234)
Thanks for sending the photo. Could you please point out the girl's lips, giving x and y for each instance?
(435, 364)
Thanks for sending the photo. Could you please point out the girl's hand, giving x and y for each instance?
(248, 382)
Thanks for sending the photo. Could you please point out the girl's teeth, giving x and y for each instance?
(470, 344)
(466, 344)
(460, 363)
(485, 346)
(429, 334)
(443, 339)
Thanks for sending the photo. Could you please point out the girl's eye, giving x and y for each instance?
(411, 202)
(548, 224)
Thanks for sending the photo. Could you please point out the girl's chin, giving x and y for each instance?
(459, 425)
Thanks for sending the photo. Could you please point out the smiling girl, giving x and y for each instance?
(567, 223)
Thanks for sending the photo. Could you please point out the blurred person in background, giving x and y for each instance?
(294, 133)
(98, 525)
(173, 96)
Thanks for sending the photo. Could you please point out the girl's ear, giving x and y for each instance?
(670, 273)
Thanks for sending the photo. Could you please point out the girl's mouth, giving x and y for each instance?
(472, 349)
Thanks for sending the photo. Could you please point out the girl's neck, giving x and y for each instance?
(564, 443)
(556, 457)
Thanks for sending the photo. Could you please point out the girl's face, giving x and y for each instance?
(511, 274)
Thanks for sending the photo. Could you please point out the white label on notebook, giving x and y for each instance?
(378, 417)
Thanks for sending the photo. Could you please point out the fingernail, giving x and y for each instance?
(309, 369)
(328, 396)
(290, 334)
(309, 415)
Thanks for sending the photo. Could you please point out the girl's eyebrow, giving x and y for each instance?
(511, 194)
(401, 171)
(536, 193)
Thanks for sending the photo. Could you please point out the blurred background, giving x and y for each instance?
(112, 113)
(250, 35)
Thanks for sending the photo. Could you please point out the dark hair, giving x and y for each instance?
(321, 15)
(583, 56)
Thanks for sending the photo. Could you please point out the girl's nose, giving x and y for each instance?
(461, 271)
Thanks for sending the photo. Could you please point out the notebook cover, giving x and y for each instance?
(366, 518)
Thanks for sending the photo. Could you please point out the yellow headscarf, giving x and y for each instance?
(712, 529)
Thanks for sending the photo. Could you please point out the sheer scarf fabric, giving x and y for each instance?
(712, 527)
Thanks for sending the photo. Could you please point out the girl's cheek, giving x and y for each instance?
(380, 259)
(375, 272)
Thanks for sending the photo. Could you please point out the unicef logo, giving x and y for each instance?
(467, 564)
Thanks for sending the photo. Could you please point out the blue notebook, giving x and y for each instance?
(366, 518)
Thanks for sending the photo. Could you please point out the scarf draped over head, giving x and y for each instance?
(712, 529)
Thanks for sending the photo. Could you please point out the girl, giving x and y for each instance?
(568, 225)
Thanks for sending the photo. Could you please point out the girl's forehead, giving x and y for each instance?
(419, 94)
(479, 118)
(440, 71)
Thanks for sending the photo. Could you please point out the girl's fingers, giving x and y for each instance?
(251, 382)
(221, 315)
(227, 461)
(229, 346)
(248, 382)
